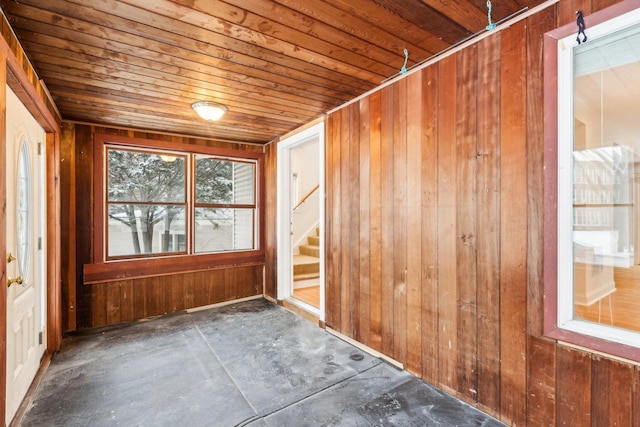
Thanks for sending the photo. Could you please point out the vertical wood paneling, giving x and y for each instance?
(614, 408)
(447, 284)
(413, 228)
(488, 225)
(375, 221)
(429, 230)
(126, 300)
(400, 220)
(68, 226)
(333, 288)
(54, 254)
(567, 10)
(621, 408)
(513, 228)
(635, 422)
(364, 260)
(216, 281)
(345, 223)
(97, 299)
(84, 214)
(329, 245)
(113, 303)
(466, 234)
(353, 284)
(139, 298)
(574, 387)
(178, 291)
(386, 204)
(538, 24)
(463, 163)
(541, 388)
(600, 402)
(271, 238)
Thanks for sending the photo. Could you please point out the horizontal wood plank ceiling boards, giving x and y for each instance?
(276, 64)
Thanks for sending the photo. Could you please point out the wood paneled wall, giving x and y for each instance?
(17, 72)
(434, 237)
(100, 304)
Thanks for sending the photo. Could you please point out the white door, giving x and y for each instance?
(26, 258)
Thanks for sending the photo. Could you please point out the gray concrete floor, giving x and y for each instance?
(247, 364)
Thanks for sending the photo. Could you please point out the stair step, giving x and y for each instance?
(313, 251)
(306, 276)
(304, 264)
(314, 240)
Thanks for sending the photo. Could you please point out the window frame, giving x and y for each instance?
(102, 269)
(106, 202)
(195, 204)
(559, 322)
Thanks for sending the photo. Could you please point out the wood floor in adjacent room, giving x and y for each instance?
(309, 294)
(622, 307)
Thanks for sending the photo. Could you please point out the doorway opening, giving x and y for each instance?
(301, 220)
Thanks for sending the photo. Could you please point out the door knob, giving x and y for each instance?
(17, 280)
(10, 258)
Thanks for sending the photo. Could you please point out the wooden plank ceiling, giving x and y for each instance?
(276, 64)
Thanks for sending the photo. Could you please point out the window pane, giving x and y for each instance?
(214, 181)
(219, 230)
(606, 178)
(224, 182)
(145, 229)
(145, 177)
(243, 183)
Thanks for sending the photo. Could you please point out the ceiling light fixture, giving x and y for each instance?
(209, 110)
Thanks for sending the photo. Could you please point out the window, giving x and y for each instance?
(598, 182)
(224, 205)
(167, 203)
(146, 203)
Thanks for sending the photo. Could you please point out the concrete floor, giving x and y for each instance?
(247, 364)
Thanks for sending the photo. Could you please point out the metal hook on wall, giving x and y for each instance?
(580, 24)
(403, 70)
(491, 26)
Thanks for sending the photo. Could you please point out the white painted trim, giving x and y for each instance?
(283, 213)
(365, 348)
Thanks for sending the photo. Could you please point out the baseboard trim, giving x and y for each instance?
(365, 348)
(223, 304)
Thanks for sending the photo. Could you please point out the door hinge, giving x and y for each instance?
(39, 243)
(40, 336)
(39, 148)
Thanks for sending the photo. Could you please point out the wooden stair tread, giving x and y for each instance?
(305, 259)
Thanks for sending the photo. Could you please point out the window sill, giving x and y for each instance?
(593, 344)
(148, 267)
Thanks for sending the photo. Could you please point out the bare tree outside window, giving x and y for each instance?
(148, 207)
(143, 191)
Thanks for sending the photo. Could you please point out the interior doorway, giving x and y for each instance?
(26, 251)
(301, 220)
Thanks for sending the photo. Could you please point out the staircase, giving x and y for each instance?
(306, 265)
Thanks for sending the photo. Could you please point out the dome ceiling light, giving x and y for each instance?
(209, 110)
